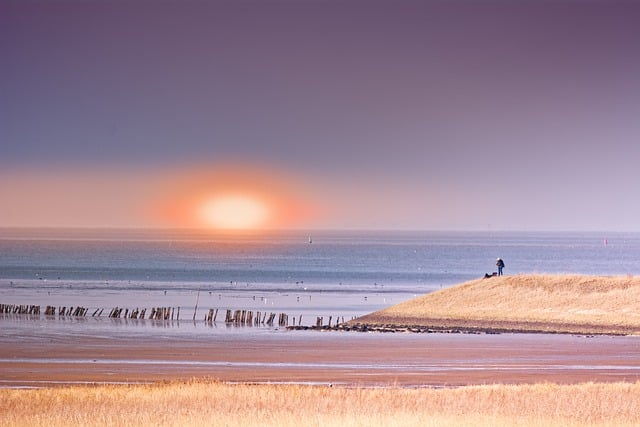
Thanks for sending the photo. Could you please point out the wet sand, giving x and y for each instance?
(341, 358)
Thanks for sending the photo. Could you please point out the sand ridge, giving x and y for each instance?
(578, 304)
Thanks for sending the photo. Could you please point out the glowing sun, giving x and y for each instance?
(234, 212)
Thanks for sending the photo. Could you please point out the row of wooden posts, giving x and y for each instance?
(320, 321)
(236, 317)
(19, 309)
(247, 317)
(157, 313)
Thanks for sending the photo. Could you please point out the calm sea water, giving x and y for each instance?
(340, 273)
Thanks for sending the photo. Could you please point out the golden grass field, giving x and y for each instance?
(214, 403)
(553, 303)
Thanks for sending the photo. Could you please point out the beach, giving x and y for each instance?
(143, 355)
(584, 324)
(343, 275)
(482, 352)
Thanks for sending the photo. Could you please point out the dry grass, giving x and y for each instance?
(610, 304)
(214, 403)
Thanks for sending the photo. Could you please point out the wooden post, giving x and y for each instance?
(196, 308)
(283, 320)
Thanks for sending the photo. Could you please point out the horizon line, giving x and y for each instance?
(314, 229)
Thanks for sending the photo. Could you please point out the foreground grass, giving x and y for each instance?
(214, 403)
(561, 303)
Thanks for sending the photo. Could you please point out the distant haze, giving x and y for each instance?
(367, 114)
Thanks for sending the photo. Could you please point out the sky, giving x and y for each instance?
(335, 114)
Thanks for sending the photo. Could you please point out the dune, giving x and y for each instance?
(575, 304)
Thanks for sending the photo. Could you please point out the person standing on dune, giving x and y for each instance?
(500, 265)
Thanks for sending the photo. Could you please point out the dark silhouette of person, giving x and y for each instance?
(500, 265)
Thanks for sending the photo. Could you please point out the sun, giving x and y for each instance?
(225, 198)
(234, 212)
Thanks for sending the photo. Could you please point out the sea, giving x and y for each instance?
(303, 274)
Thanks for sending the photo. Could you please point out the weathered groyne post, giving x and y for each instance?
(283, 320)
(211, 316)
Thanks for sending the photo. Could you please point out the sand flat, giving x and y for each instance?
(320, 357)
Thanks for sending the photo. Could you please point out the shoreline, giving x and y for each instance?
(405, 360)
(454, 328)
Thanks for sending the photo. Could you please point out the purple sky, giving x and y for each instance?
(392, 114)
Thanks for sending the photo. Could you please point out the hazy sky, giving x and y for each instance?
(371, 114)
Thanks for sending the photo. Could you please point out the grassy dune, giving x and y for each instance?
(545, 303)
(213, 403)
